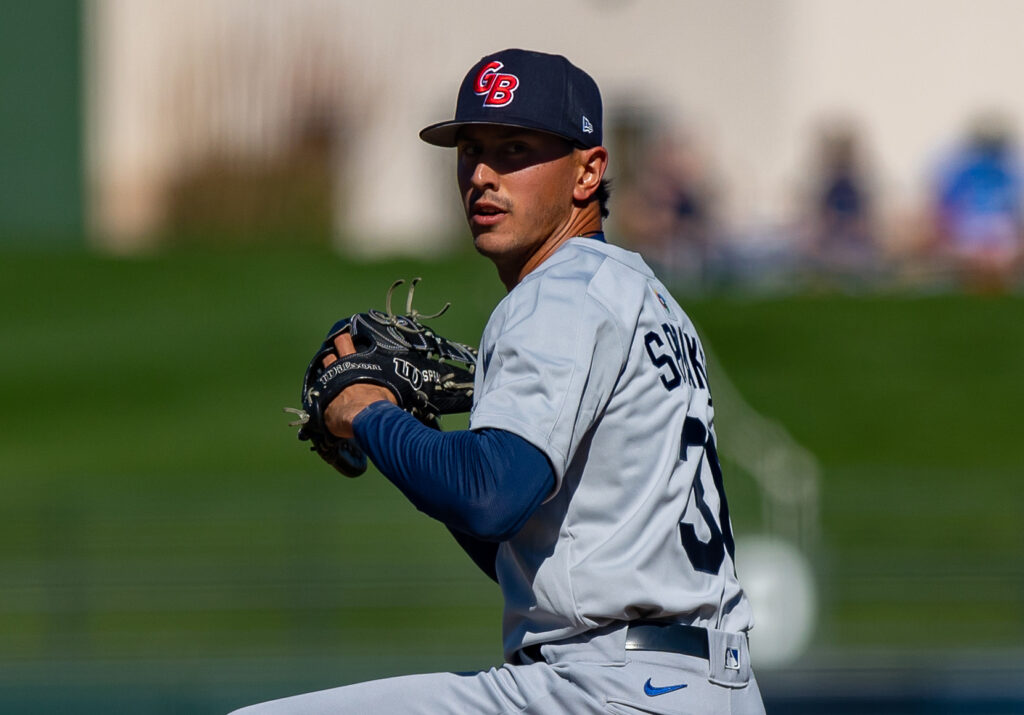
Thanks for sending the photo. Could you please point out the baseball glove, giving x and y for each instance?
(428, 374)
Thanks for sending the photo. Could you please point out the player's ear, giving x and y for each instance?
(591, 167)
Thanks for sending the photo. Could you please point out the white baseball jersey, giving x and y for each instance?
(593, 362)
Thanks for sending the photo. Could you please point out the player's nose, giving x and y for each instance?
(484, 177)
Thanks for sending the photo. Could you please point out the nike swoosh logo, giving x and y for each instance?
(652, 691)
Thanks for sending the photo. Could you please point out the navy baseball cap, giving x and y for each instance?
(533, 90)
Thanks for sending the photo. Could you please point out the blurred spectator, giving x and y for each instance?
(667, 212)
(840, 228)
(977, 207)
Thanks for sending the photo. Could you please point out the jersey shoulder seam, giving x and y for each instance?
(608, 309)
(591, 294)
(608, 256)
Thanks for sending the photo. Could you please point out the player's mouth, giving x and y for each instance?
(486, 213)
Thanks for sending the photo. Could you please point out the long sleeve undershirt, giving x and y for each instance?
(483, 485)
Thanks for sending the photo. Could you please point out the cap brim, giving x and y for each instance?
(446, 133)
(442, 133)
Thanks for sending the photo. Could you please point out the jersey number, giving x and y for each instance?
(706, 557)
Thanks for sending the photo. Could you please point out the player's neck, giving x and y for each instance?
(583, 222)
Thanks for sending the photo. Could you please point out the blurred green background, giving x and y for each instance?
(42, 175)
(167, 545)
(165, 536)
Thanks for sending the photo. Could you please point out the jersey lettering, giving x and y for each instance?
(662, 360)
(696, 359)
(673, 335)
(682, 359)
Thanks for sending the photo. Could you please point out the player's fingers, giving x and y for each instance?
(344, 345)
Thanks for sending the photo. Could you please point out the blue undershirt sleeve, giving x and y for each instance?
(484, 484)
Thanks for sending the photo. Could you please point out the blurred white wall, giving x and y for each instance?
(171, 84)
(750, 78)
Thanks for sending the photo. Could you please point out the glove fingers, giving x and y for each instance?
(340, 326)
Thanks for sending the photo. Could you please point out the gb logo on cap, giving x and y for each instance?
(497, 89)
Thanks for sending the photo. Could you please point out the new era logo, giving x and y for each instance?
(588, 128)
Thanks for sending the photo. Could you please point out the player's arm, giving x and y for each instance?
(483, 483)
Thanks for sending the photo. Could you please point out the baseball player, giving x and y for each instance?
(588, 485)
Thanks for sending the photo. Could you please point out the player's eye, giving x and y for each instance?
(469, 150)
(514, 148)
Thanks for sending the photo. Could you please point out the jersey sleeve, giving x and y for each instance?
(550, 365)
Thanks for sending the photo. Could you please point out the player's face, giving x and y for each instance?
(517, 190)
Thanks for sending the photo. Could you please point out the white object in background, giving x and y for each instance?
(780, 584)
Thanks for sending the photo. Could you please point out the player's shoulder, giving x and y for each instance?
(581, 274)
(587, 256)
(623, 281)
(593, 268)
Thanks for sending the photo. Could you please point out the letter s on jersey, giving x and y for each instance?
(662, 360)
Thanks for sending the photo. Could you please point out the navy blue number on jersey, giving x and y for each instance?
(706, 557)
(679, 359)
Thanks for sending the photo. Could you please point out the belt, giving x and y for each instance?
(668, 637)
(652, 635)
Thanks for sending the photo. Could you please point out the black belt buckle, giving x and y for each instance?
(668, 637)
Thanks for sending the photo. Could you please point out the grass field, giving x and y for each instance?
(161, 525)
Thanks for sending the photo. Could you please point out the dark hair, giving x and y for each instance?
(603, 193)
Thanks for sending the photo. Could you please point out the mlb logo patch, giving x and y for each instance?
(732, 658)
(664, 304)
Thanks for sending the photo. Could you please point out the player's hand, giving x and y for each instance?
(354, 398)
